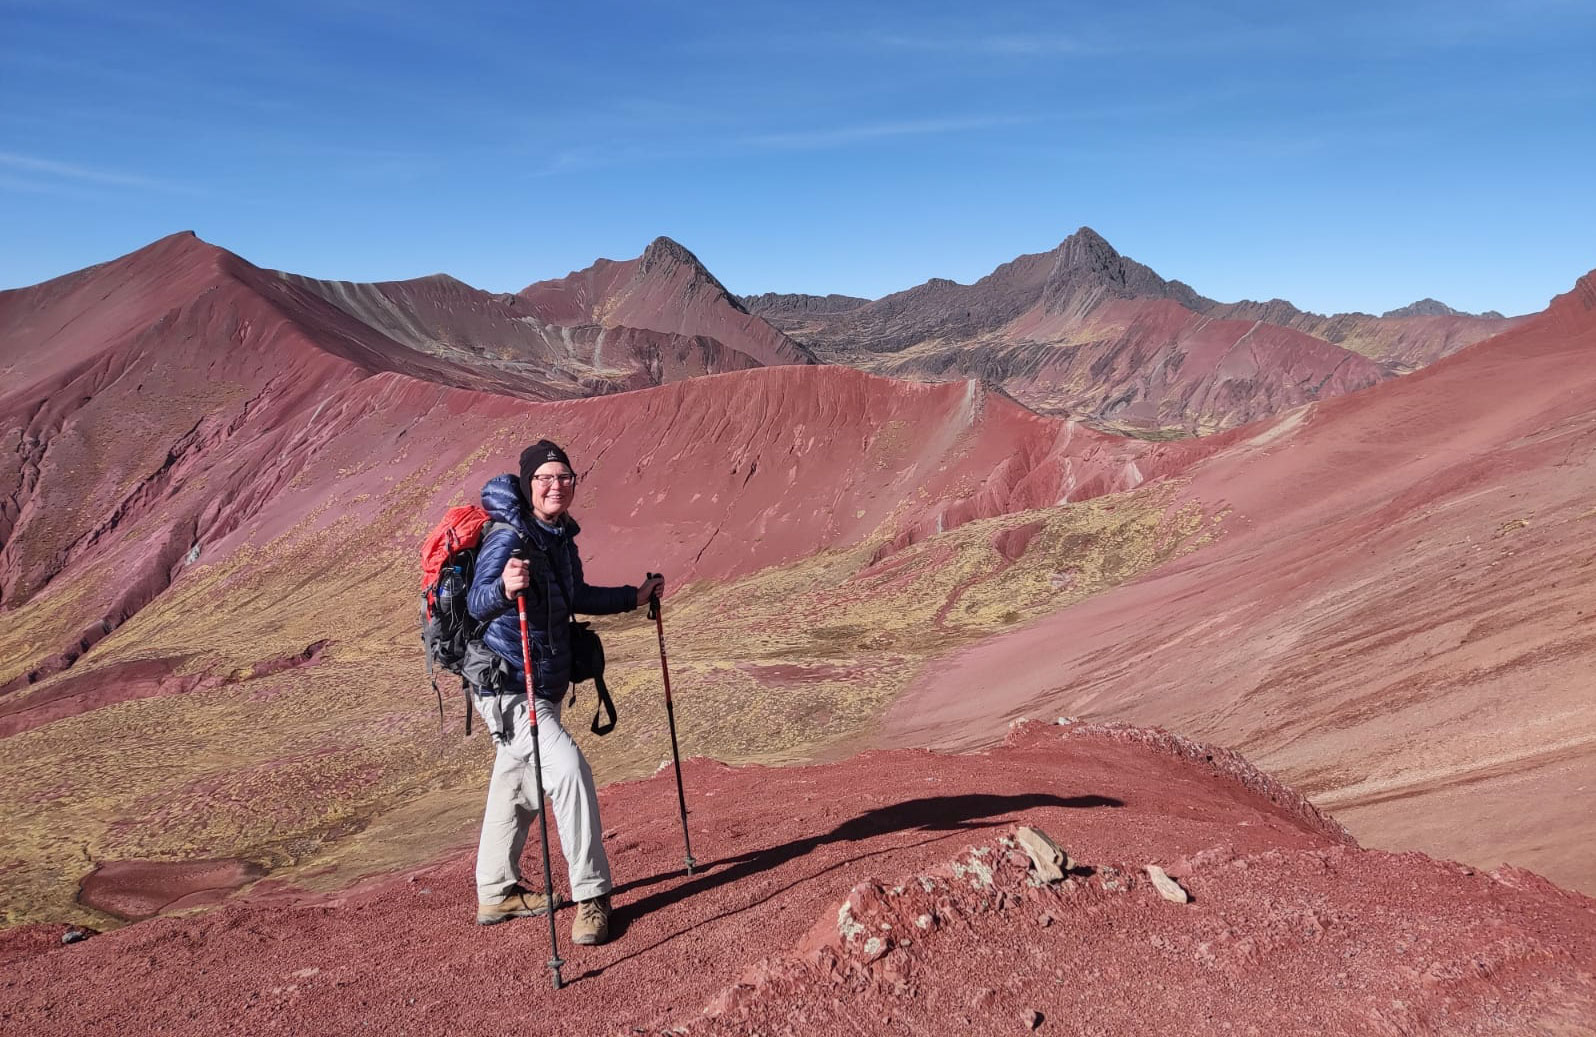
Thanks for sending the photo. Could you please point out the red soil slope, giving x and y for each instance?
(1399, 619)
(665, 289)
(882, 895)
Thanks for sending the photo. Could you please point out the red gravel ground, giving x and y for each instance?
(1292, 928)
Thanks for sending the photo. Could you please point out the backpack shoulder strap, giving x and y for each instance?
(494, 526)
(565, 592)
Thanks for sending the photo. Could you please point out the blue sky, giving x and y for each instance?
(1349, 156)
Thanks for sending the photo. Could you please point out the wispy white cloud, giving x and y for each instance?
(997, 45)
(844, 135)
(22, 185)
(49, 168)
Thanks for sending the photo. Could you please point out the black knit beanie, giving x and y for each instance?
(536, 456)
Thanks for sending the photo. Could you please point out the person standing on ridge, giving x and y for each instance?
(530, 548)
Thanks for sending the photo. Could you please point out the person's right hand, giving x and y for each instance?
(516, 577)
(653, 586)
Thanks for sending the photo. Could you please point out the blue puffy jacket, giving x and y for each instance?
(548, 611)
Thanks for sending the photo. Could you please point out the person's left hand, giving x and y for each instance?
(654, 585)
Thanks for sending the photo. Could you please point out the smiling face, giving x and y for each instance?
(552, 490)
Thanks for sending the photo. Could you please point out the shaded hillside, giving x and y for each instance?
(1087, 332)
(665, 289)
(885, 894)
(1398, 619)
(441, 316)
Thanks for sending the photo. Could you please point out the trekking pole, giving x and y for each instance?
(670, 715)
(537, 770)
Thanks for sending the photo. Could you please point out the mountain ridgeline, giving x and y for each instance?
(1085, 332)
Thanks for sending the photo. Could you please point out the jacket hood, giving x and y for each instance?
(503, 500)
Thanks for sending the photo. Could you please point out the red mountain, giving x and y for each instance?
(121, 376)
(1085, 331)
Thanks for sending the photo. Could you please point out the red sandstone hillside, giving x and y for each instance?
(666, 289)
(885, 894)
(1400, 618)
(1085, 331)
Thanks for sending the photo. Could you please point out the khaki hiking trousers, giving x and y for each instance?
(512, 804)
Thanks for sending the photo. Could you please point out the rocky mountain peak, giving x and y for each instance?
(1425, 308)
(664, 258)
(663, 251)
(1087, 248)
(1085, 266)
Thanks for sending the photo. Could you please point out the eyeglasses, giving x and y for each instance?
(564, 479)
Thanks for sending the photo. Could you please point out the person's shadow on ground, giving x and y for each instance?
(928, 814)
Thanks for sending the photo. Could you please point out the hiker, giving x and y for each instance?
(531, 549)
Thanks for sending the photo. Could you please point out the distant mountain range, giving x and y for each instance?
(1080, 332)
(1086, 332)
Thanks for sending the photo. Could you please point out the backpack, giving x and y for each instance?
(448, 562)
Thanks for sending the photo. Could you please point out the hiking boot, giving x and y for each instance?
(592, 922)
(518, 903)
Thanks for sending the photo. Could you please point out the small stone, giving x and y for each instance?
(74, 936)
(1167, 887)
(1049, 860)
(1033, 1018)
